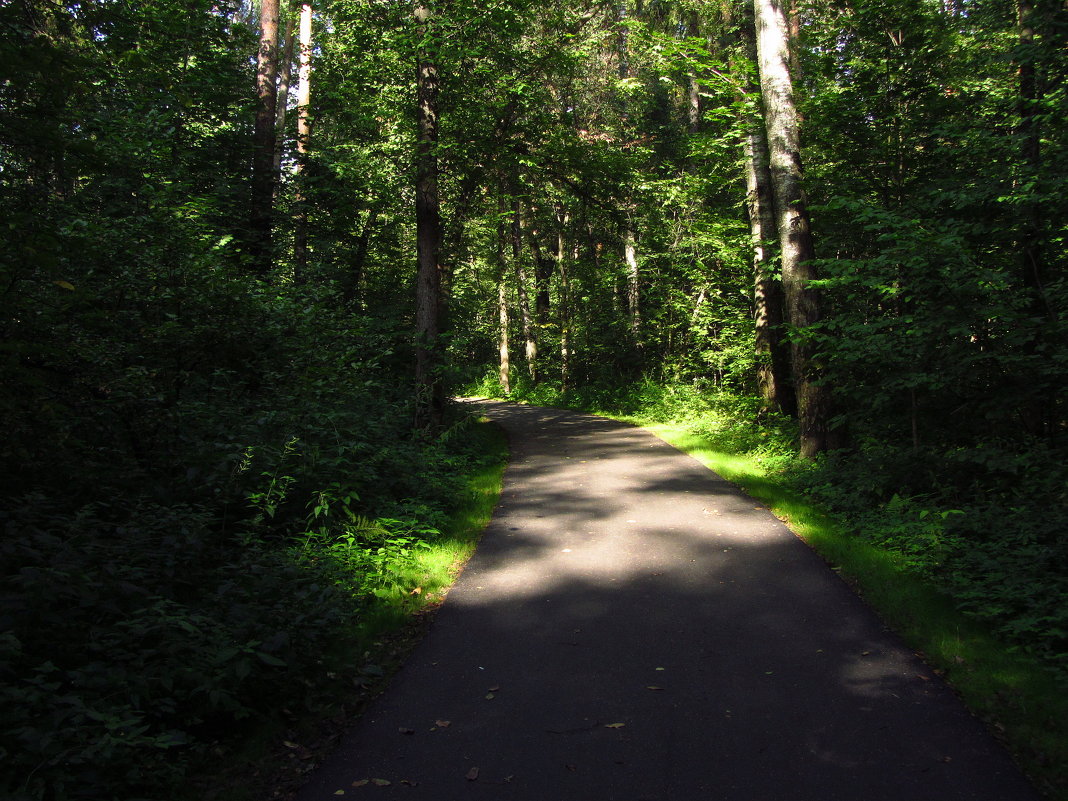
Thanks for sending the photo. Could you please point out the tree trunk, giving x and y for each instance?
(505, 371)
(351, 282)
(285, 74)
(300, 202)
(795, 236)
(630, 255)
(260, 245)
(1031, 152)
(772, 351)
(430, 398)
(564, 304)
(693, 87)
(543, 274)
(773, 354)
(531, 342)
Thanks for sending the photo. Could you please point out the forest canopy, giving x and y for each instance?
(250, 251)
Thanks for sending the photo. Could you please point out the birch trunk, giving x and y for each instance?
(504, 371)
(773, 353)
(630, 255)
(795, 236)
(773, 371)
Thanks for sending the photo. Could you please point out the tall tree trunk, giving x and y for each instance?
(795, 236)
(693, 87)
(300, 202)
(543, 273)
(772, 351)
(351, 281)
(630, 255)
(1041, 417)
(544, 267)
(773, 354)
(529, 339)
(504, 371)
(564, 304)
(1030, 151)
(260, 245)
(285, 74)
(430, 400)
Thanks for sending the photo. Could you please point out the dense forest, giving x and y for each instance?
(251, 250)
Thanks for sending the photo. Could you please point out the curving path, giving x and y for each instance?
(634, 628)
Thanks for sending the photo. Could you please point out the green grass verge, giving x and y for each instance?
(421, 583)
(1019, 698)
(274, 761)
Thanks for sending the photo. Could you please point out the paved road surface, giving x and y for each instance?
(633, 628)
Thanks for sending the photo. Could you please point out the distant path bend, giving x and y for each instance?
(634, 628)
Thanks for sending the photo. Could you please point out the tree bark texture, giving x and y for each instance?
(772, 351)
(430, 400)
(773, 354)
(260, 247)
(795, 236)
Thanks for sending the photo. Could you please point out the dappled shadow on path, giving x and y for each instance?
(623, 583)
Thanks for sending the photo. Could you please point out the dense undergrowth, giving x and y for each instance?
(193, 552)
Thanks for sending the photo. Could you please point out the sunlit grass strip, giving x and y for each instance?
(422, 581)
(1014, 693)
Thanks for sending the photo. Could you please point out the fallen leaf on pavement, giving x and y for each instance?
(654, 687)
(614, 725)
(381, 782)
(404, 730)
(443, 723)
(361, 783)
(472, 774)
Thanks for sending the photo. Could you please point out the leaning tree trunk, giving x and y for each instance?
(795, 236)
(260, 245)
(430, 399)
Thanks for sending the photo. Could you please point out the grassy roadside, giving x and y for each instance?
(1015, 694)
(276, 761)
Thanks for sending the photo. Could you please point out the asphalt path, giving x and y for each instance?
(634, 628)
